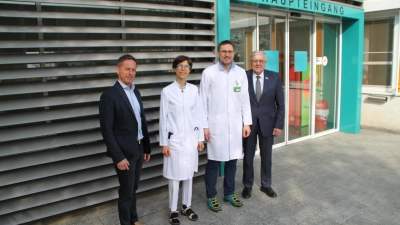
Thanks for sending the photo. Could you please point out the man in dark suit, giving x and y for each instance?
(268, 110)
(124, 129)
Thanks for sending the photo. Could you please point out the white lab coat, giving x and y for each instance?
(225, 111)
(181, 114)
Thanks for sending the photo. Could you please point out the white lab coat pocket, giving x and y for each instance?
(195, 138)
(174, 143)
(214, 126)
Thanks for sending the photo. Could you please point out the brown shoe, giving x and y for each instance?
(138, 223)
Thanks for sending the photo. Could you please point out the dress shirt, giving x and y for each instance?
(261, 81)
(135, 106)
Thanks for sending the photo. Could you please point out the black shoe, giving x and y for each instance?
(174, 218)
(246, 193)
(269, 191)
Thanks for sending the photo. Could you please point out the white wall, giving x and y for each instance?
(381, 115)
(379, 5)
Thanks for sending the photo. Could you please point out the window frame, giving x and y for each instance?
(393, 88)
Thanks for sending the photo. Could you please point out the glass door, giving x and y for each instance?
(299, 100)
(326, 76)
(305, 52)
(271, 38)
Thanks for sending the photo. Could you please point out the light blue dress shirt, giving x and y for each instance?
(135, 105)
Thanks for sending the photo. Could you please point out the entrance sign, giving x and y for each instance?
(315, 6)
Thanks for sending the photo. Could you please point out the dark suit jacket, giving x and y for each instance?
(119, 126)
(270, 111)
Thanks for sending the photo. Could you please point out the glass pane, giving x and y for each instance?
(377, 75)
(326, 77)
(299, 78)
(243, 27)
(378, 52)
(272, 37)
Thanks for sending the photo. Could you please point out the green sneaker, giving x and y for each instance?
(233, 199)
(213, 205)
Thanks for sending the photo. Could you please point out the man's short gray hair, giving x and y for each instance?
(258, 53)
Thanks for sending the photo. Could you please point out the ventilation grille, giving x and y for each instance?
(56, 58)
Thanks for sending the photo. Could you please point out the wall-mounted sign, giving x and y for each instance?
(318, 61)
(321, 61)
(316, 6)
(324, 61)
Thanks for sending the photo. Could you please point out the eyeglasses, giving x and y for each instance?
(183, 66)
(227, 52)
(258, 61)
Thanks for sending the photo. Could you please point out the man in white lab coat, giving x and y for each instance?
(227, 118)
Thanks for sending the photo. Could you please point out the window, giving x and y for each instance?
(380, 53)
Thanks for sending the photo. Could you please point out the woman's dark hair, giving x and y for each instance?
(180, 59)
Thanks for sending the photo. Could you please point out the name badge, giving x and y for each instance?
(236, 89)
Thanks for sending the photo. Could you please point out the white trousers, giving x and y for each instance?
(173, 186)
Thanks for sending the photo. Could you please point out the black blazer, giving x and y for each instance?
(119, 126)
(271, 109)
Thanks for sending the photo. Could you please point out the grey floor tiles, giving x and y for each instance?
(335, 179)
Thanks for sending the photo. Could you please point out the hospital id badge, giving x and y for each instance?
(236, 89)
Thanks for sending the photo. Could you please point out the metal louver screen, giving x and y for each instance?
(56, 58)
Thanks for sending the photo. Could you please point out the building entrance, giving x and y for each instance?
(304, 50)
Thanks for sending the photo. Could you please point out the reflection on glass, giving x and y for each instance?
(326, 77)
(378, 52)
(243, 28)
(299, 81)
(271, 37)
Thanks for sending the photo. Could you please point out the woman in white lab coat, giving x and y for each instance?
(181, 137)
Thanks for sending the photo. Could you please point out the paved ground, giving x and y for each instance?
(336, 179)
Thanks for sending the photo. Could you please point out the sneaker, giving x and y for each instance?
(173, 218)
(187, 211)
(232, 199)
(213, 205)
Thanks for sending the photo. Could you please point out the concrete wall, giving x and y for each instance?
(379, 5)
(381, 115)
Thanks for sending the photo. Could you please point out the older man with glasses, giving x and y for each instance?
(267, 110)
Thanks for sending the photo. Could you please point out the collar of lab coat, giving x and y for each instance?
(178, 85)
(222, 68)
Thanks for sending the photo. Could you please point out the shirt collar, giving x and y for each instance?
(126, 87)
(261, 74)
(222, 68)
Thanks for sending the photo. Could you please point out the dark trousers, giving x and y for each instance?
(211, 177)
(249, 145)
(129, 182)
